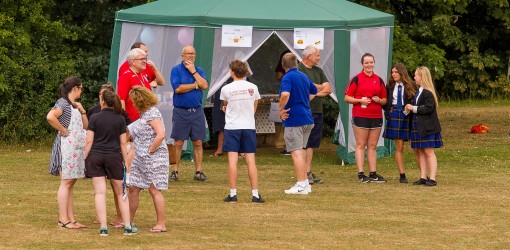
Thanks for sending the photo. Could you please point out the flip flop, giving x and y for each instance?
(216, 154)
(67, 225)
(79, 225)
(157, 230)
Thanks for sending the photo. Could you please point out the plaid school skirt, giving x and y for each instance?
(429, 141)
(397, 126)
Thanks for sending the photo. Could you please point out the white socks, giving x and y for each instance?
(233, 192)
(255, 192)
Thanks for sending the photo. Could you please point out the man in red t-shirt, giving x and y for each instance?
(151, 73)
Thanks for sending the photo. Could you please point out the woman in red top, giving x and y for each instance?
(367, 92)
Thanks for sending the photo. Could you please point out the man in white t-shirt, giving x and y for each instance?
(240, 99)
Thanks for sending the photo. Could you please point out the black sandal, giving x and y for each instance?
(64, 225)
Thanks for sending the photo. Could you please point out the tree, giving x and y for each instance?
(463, 42)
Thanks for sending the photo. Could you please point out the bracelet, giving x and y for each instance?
(194, 73)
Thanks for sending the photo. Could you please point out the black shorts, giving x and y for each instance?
(367, 123)
(109, 165)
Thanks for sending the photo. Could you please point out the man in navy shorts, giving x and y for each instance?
(296, 91)
(188, 81)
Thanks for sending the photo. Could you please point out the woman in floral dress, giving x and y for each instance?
(150, 164)
(67, 157)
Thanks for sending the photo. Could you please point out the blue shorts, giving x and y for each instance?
(240, 140)
(188, 123)
(314, 141)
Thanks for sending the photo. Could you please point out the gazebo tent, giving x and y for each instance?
(166, 26)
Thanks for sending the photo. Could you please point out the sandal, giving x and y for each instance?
(157, 230)
(216, 154)
(67, 225)
(79, 225)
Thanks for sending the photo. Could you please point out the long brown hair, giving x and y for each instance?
(410, 90)
(67, 87)
(112, 100)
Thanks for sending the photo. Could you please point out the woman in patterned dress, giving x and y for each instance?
(67, 156)
(425, 130)
(150, 164)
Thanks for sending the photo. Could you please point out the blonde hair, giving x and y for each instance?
(143, 99)
(426, 81)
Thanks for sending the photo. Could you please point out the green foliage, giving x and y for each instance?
(41, 44)
(463, 42)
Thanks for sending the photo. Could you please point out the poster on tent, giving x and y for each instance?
(306, 36)
(236, 36)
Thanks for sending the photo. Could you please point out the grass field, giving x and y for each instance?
(469, 209)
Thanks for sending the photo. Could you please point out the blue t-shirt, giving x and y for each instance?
(179, 75)
(300, 87)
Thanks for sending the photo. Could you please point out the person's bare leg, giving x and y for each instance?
(252, 170)
(159, 205)
(373, 138)
(63, 200)
(99, 184)
(123, 205)
(198, 153)
(399, 155)
(219, 149)
(309, 158)
(134, 196)
(298, 157)
(178, 151)
(431, 159)
(233, 157)
(361, 137)
(423, 164)
(118, 217)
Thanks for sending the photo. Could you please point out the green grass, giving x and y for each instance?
(469, 209)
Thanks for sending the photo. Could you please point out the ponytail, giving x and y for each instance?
(112, 100)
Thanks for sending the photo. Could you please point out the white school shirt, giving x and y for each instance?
(241, 96)
(395, 94)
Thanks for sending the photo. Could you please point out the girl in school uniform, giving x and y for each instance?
(400, 92)
(425, 130)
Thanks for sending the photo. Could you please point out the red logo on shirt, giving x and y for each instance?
(251, 91)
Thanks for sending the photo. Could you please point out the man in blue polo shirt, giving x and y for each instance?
(296, 91)
(188, 81)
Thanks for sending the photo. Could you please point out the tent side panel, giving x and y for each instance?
(390, 144)
(204, 47)
(342, 65)
(114, 53)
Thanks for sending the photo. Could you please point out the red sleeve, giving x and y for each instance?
(150, 73)
(123, 86)
(383, 93)
(351, 88)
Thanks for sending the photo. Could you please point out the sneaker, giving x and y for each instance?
(257, 200)
(403, 179)
(130, 230)
(285, 152)
(313, 179)
(421, 181)
(430, 183)
(200, 176)
(376, 178)
(173, 176)
(364, 179)
(103, 231)
(231, 199)
(296, 189)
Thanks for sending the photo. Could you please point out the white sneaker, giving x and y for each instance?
(296, 189)
(309, 188)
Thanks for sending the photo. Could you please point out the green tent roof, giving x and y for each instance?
(261, 14)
